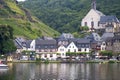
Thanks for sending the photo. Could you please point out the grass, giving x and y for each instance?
(28, 29)
(21, 25)
(14, 7)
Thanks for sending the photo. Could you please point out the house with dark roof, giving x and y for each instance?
(110, 23)
(46, 45)
(47, 48)
(92, 18)
(113, 44)
(97, 21)
(83, 45)
(66, 36)
(64, 39)
(107, 35)
(94, 37)
(30, 45)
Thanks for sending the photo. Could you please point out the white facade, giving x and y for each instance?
(85, 50)
(72, 48)
(103, 46)
(92, 19)
(49, 56)
(62, 51)
(32, 46)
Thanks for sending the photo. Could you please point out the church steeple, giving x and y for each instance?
(93, 5)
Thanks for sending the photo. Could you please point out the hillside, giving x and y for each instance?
(22, 22)
(66, 15)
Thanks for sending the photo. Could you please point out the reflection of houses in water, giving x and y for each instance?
(25, 71)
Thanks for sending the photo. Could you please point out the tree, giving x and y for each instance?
(106, 53)
(84, 28)
(6, 39)
(71, 54)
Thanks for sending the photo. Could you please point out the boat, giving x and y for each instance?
(3, 66)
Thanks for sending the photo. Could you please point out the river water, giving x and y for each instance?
(61, 71)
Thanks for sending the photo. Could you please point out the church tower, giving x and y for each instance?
(93, 5)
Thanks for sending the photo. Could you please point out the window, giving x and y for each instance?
(51, 55)
(74, 50)
(62, 54)
(85, 49)
(85, 23)
(68, 50)
(61, 49)
(87, 45)
(79, 49)
(82, 45)
(98, 23)
(45, 55)
(92, 24)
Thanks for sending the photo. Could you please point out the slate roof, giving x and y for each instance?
(94, 37)
(83, 40)
(83, 43)
(107, 35)
(28, 42)
(110, 19)
(46, 44)
(66, 36)
(18, 46)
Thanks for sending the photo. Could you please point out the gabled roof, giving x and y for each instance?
(94, 37)
(99, 13)
(105, 19)
(45, 42)
(18, 46)
(107, 35)
(83, 40)
(93, 11)
(66, 36)
(28, 42)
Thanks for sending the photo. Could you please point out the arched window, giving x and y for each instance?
(85, 23)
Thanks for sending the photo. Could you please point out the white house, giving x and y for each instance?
(72, 47)
(103, 46)
(92, 19)
(62, 51)
(49, 56)
(30, 45)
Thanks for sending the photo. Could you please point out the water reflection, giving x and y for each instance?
(27, 71)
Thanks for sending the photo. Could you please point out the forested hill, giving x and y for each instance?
(22, 22)
(66, 15)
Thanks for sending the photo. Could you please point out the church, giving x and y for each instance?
(96, 20)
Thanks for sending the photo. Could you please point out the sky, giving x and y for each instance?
(20, 0)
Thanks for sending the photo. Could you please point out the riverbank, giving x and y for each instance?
(90, 61)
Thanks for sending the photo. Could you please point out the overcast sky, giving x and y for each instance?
(20, 0)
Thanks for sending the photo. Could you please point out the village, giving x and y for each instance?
(102, 42)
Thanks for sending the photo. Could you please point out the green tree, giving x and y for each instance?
(71, 54)
(84, 28)
(106, 53)
(6, 39)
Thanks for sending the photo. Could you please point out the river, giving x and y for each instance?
(63, 71)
